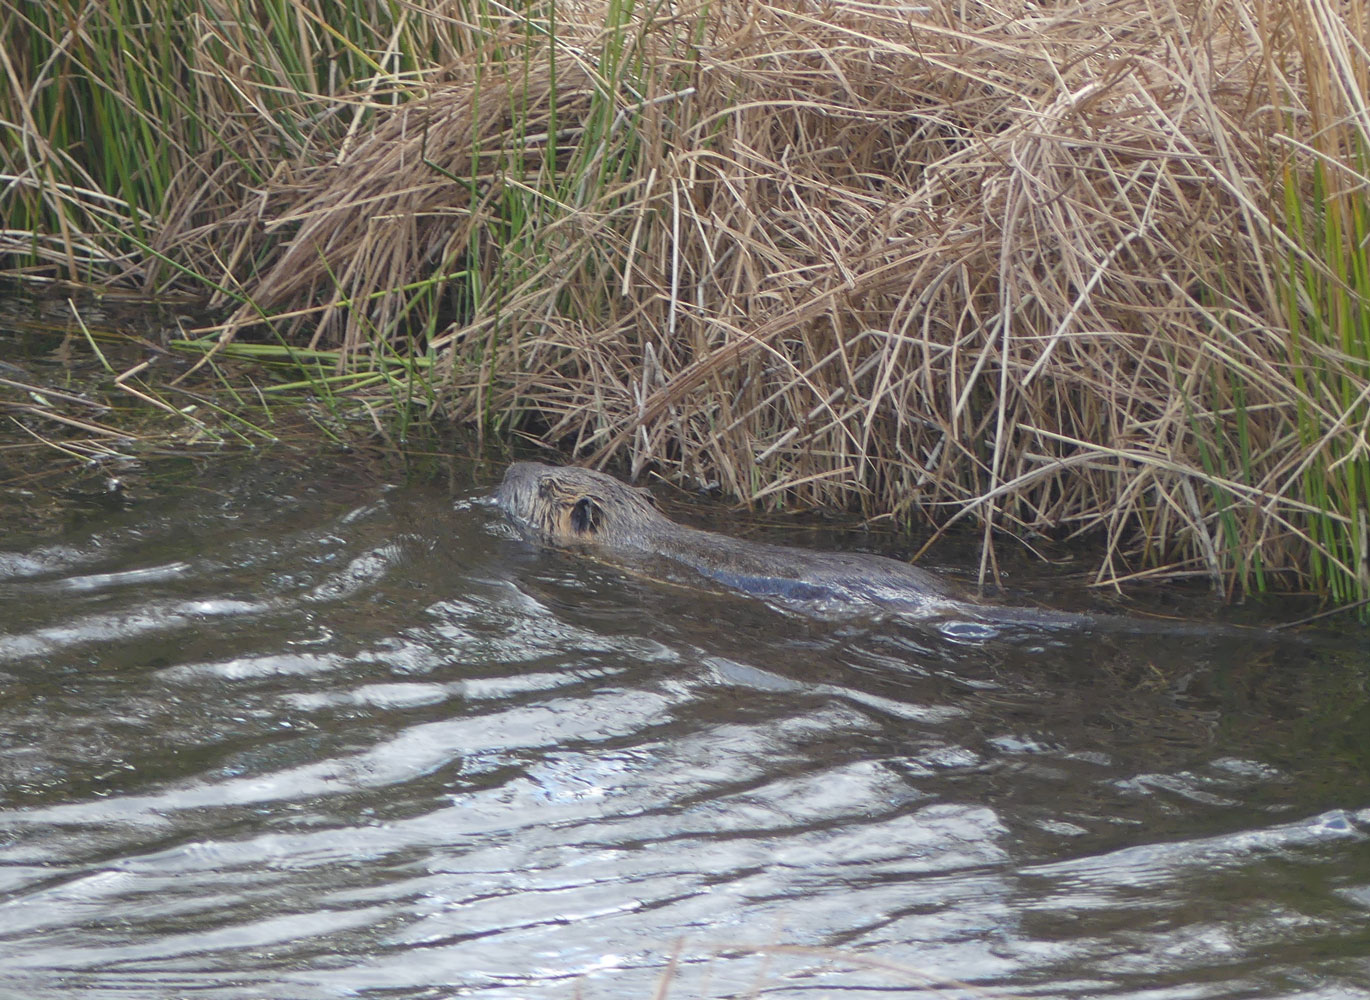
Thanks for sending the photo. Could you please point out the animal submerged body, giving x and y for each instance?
(575, 508)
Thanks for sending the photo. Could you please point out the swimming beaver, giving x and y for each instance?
(568, 507)
(564, 506)
(571, 507)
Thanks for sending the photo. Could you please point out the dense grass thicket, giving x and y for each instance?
(1069, 267)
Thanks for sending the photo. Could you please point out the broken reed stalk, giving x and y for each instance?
(1075, 267)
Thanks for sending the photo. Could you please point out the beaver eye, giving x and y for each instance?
(586, 516)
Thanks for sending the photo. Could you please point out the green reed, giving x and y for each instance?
(1327, 296)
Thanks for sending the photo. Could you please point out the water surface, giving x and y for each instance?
(284, 731)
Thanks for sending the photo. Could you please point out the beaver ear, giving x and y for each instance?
(586, 516)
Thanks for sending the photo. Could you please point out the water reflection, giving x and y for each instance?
(284, 732)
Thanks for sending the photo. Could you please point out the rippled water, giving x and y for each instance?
(277, 732)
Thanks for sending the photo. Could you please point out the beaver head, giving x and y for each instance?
(565, 505)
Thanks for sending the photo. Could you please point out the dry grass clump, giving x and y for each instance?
(1055, 266)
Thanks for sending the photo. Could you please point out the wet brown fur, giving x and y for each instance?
(565, 506)
(572, 506)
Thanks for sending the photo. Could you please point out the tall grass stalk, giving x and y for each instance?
(1323, 220)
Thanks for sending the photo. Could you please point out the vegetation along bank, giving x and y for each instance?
(1069, 267)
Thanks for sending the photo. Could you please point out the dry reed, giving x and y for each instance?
(1030, 265)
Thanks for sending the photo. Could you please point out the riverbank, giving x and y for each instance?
(1084, 269)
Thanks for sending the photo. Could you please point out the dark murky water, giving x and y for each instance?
(275, 732)
(280, 732)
